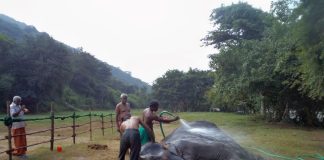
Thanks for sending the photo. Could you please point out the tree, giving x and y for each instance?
(268, 72)
(309, 31)
(183, 91)
(237, 27)
(235, 23)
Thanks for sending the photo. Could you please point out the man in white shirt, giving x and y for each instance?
(18, 128)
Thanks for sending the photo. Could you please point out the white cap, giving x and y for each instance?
(15, 98)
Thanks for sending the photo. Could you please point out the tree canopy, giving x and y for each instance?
(183, 91)
(269, 62)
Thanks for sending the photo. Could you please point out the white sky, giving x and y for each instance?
(145, 37)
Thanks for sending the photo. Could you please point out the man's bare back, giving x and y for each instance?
(130, 137)
(133, 122)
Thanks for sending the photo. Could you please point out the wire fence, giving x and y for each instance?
(100, 118)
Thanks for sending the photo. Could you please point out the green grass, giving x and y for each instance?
(249, 131)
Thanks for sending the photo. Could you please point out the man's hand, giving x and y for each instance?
(24, 109)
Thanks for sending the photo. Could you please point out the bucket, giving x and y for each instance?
(59, 148)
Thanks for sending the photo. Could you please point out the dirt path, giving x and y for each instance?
(78, 151)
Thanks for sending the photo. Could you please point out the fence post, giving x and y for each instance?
(111, 123)
(9, 133)
(90, 127)
(73, 127)
(102, 124)
(52, 127)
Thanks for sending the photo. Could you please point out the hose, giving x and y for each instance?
(278, 156)
(164, 112)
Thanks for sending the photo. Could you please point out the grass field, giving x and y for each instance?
(249, 131)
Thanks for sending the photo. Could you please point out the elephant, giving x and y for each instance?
(198, 140)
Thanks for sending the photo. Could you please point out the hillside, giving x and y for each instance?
(14, 29)
(45, 71)
(18, 30)
(127, 78)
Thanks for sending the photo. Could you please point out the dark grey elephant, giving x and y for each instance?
(199, 140)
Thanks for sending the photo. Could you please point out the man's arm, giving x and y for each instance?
(161, 119)
(143, 116)
(15, 113)
(117, 117)
(148, 130)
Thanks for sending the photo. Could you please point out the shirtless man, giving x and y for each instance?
(130, 136)
(122, 108)
(149, 115)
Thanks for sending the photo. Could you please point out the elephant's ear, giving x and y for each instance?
(174, 157)
(172, 149)
(151, 151)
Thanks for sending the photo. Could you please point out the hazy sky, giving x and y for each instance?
(145, 37)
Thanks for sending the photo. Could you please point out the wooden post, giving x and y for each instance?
(9, 133)
(73, 127)
(90, 127)
(37, 108)
(102, 124)
(262, 108)
(52, 127)
(111, 124)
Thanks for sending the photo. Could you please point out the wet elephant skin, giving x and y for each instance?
(199, 140)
